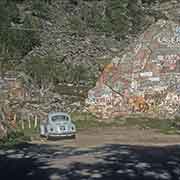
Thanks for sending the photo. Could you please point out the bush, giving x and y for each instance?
(14, 138)
(15, 42)
(27, 40)
(40, 9)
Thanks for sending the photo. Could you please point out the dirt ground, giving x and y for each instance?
(116, 135)
(104, 154)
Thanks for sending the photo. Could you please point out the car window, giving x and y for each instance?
(58, 118)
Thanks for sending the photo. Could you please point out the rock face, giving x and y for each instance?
(145, 79)
(21, 102)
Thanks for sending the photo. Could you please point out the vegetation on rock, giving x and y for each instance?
(57, 44)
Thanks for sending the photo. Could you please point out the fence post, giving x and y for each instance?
(22, 124)
(29, 120)
(15, 118)
(35, 121)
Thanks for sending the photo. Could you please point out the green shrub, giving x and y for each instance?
(14, 42)
(14, 138)
(40, 9)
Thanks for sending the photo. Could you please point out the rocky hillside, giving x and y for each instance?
(78, 36)
(57, 49)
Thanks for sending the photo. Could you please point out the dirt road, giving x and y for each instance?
(104, 154)
(120, 135)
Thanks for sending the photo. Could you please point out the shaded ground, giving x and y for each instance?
(96, 154)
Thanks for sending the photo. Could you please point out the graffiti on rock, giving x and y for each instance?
(178, 30)
(170, 40)
(168, 62)
(138, 104)
(145, 79)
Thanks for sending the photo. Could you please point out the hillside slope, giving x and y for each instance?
(58, 49)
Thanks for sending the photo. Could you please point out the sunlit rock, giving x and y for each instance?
(145, 79)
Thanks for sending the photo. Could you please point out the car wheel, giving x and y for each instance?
(73, 136)
(48, 137)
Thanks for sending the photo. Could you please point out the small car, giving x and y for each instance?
(58, 124)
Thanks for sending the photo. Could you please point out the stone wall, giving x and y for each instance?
(146, 78)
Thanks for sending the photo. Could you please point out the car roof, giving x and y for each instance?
(58, 113)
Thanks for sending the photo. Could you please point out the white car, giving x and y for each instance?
(58, 124)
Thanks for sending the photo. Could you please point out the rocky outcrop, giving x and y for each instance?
(145, 79)
(23, 105)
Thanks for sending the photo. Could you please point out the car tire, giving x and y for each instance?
(73, 136)
(48, 137)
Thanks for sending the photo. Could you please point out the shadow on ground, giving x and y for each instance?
(112, 161)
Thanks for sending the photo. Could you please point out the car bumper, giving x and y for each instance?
(61, 135)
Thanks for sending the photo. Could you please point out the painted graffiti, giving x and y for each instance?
(154, 79)
(146, 74)
(178, 30)
(138, 104)
(170, 41)
(168, 61)
(145, 79)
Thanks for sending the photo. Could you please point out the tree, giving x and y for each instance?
(8, 15)
(13, 42)
(40, 8)
(118, 20)
(27, 40)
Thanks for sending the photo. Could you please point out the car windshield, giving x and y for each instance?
(58, 118)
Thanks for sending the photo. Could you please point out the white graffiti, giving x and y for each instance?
(134, 85)
(137, 48)
(146, 74)
(169, 41)
(178, 30)
(169, 57)
(116, 60)
(169, 60)
(154, 79)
